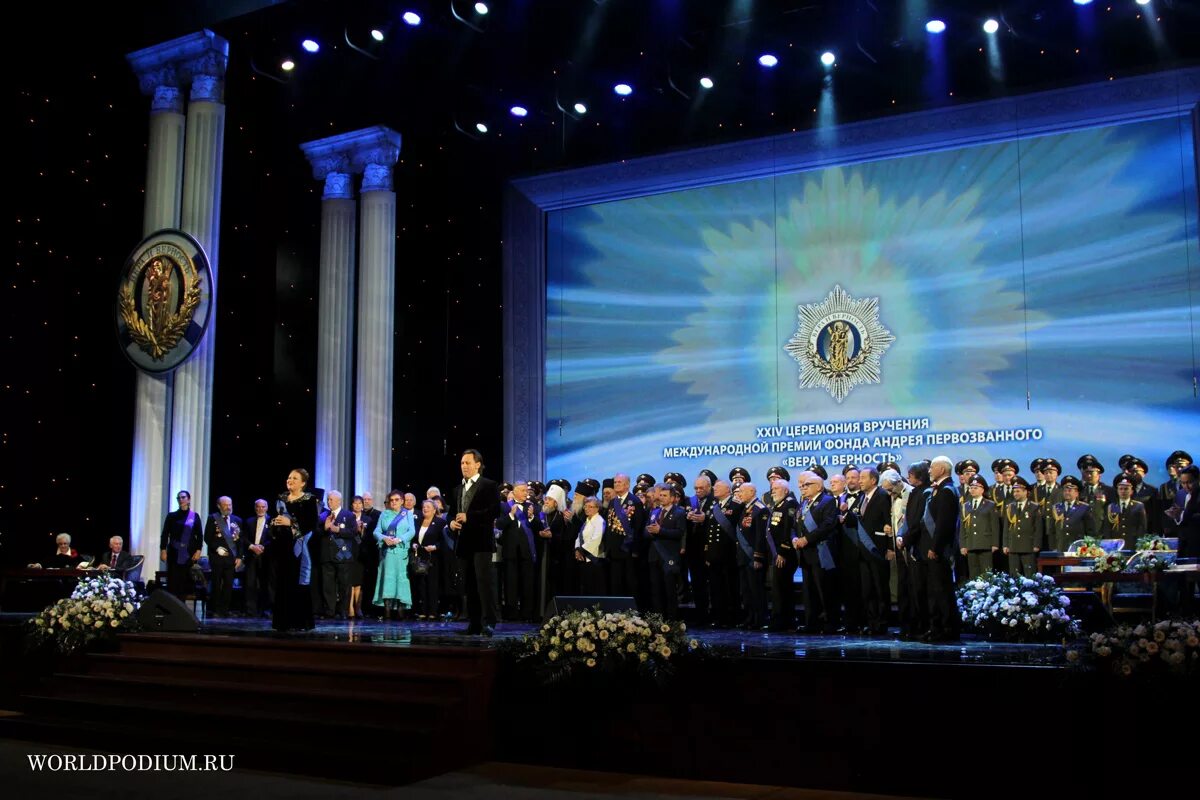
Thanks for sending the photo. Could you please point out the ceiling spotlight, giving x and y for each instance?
(412, 18)
(935, 26)
(1083, 2)
(481, 8)
(479, 126)
(580, 108)
(623, 89)
(991, 26)
(1143, 2)
(377, 34)
(288, 65)
(828, 58)
(706, 82)
(519, 111)
(768, 60)
(310, 46)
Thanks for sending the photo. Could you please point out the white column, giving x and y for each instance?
(191, 430)
(335, 330)
(376, 314)
(148, 500)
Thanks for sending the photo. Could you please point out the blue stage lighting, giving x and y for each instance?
(518, 111)
(935, 26)
(991, 26)
(1083, 2)
(623, 89)
(412, 18)
(706, 82)
(768, 60)
(377, 34)
(310, 46)
(828, 58)
(1143, 2)
(580, 108)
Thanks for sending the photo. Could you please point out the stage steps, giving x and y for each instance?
(322, 707)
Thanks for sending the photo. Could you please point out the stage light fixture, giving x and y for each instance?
(1143, 2)
(412, 18)
(1083, 2)
(991, 26)
(377, 34)
(623, 89)
(288, 65)
(310, 46)
(935, 26)
(768, 60)
(481, 9)
(479, 126)
(519, 111)
(580, 109)
(707, 82)
(828, 58)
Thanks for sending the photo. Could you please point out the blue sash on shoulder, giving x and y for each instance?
(627, 542)
(747, 548)
(824, 554)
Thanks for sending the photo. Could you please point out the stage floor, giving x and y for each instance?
(777, 646)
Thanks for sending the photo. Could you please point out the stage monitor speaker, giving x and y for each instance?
(163, 611)
(563, 603)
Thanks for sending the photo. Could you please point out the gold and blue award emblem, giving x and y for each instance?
(839, 343)
(163, 301)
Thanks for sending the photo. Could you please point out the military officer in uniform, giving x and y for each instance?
(625, 516)
(1095, 492)
(780, 473)
(1168, 491)
(816, 538)
(1005, 470)
(1022, 530)
(752, 556)
(1143, 492)
(966, 469)
(1126, 517)
(781, 555)
(979, 531)
(738, 476)
(720, 526)
(1070, 520)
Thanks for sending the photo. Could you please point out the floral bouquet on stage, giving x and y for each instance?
(1109, 562)
(1153, 544)
(1016, 608)
(99, 608)
(581, 641)
(1170, 646)
(1090, 548)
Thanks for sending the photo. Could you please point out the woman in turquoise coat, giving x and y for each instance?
(393, 534)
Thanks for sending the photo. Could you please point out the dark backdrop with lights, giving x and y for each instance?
(78, 166)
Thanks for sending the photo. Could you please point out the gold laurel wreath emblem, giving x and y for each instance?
(827, 369)
(156, 340)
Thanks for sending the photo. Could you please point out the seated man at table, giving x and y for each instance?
(114, 558)
(64, 557)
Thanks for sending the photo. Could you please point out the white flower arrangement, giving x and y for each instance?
(1171, 646)
(100, 607)
(591, 640)
(1020, 608)
(1109, 562)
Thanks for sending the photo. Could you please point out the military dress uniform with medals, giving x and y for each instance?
(979, 534)
(720, 558)
(752, 565)
(781, 523)
(1022, 536)
(1127, 520)
(817, 522)
(624, 522)
(1068, 522)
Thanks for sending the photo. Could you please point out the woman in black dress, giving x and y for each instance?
(291, 529)
(427, 547)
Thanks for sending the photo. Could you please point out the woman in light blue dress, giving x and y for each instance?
(393, 534)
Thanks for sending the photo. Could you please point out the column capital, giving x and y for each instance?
(370, 151)
(199, 58)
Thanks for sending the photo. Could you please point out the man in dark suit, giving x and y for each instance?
(222, 535)
(699, 509)
(872, 514)
(180, 545)
(114, 559)
(815, 539)
(934, 547)
(255, 580)
(666, 529)
(336, 527)
(520, 522)
(473, 509)
(751, 555)
(1169, 490)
